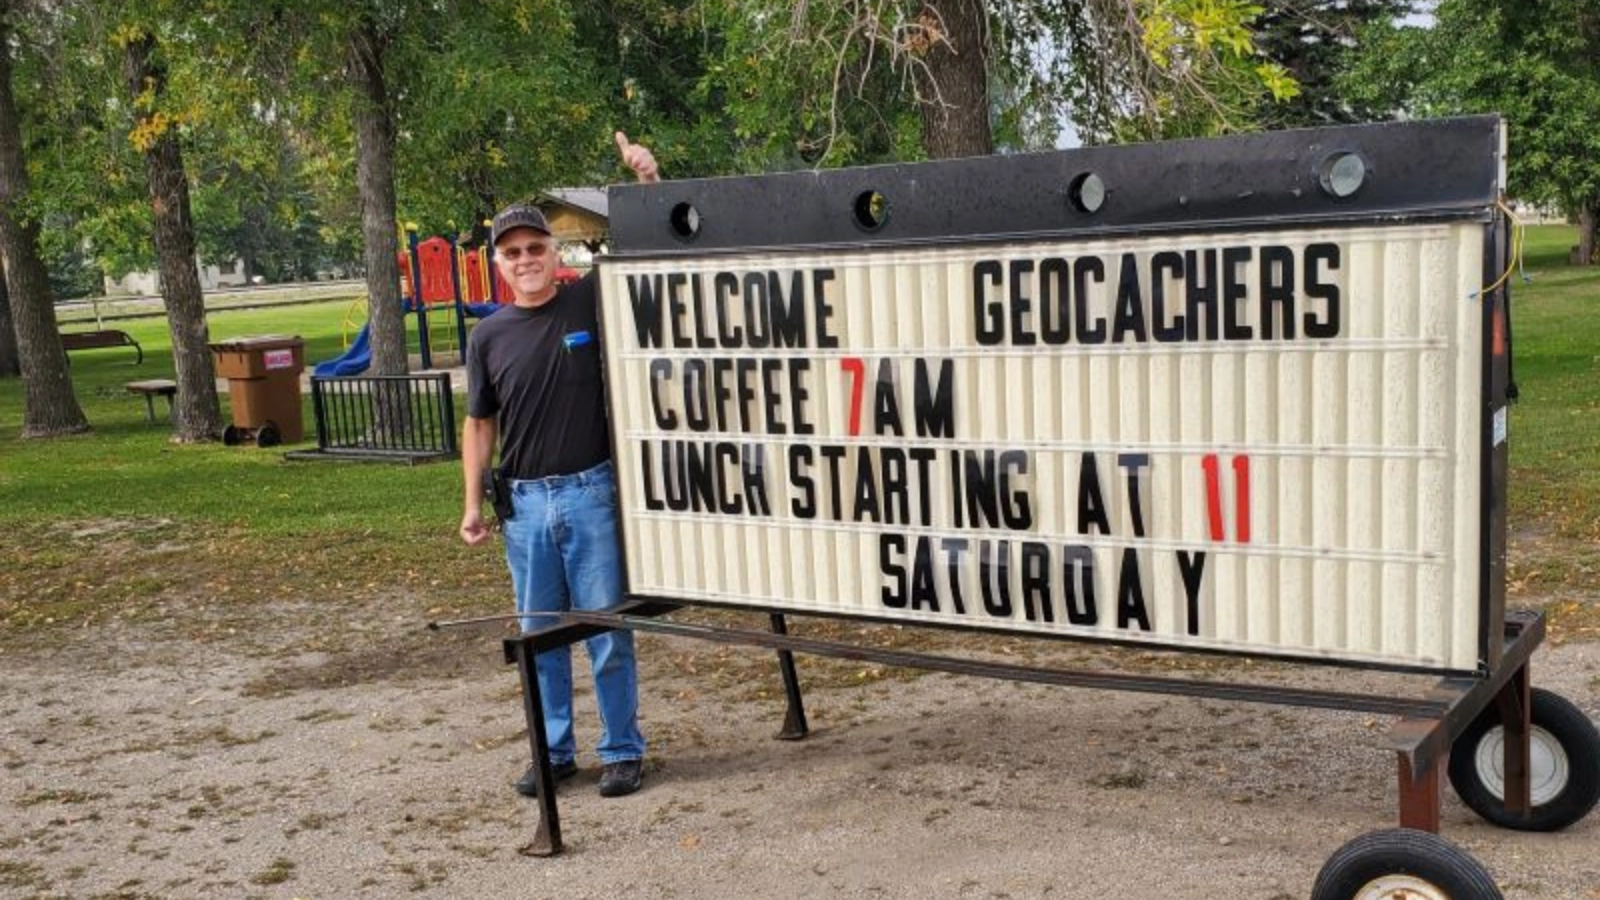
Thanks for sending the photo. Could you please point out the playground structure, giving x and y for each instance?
(441, 277)
(443, 282)
(438, 276)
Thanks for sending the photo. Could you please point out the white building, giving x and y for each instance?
(148, 284)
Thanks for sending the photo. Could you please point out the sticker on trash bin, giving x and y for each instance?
(278, 359)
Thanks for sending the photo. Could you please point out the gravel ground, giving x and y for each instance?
(143, 762)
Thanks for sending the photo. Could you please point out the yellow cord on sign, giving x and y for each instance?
(1519, 238)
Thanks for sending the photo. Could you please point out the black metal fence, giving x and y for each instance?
(408, 418)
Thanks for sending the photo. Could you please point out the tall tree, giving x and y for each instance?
(197, 413)
(70, 80)
(367, 49)
(1001, 73)
(1536, 62)
(1315, 40)
(952, 80)
(50, 407)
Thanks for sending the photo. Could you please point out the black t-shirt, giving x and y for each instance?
(538, 371)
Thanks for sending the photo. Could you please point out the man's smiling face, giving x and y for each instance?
(527, 260)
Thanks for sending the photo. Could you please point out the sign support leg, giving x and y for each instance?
(1419, 795)
(794, 718)
(547, 837)
(1515, 705)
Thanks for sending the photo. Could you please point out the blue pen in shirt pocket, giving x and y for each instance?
(576, 339)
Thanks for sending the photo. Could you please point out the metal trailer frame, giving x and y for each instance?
(1429, 723)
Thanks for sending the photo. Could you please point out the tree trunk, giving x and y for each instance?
(197, 413)
(10, 366)
(1587, 217)
(374, 121)
(49, 406)
(953, 79)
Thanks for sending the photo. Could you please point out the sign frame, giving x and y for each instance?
(1446, 172)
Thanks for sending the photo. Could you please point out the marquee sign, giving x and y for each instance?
(1234, 395)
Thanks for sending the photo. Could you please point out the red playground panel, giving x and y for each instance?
(436, 259)
(476, 284)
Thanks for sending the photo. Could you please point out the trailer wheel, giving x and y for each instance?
(1403, 864)
(1563, 766)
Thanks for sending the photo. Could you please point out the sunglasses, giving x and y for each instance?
(514, 252)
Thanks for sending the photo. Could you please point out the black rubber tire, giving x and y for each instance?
(268, 435)
(232, 436)
(1416, 864)
(1560, 729)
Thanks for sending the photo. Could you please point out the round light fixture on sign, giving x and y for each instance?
(685, 221)
(871, 210)
(1342, 174)
(1087, 193)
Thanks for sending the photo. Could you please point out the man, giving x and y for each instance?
(533, 382)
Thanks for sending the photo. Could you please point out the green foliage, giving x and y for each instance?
(655, 62)
(1207, 77)
(87, 190)
(1536, 62)
(808, 85)
(250, 197)
(1314, 40)
(492, 103)
(270, 218)
(73, 273)
(1126, 70)
(832, 83)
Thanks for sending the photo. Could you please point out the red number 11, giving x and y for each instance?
(1241, 496)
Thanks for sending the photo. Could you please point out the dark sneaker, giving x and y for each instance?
(619, 779)
(528, 785)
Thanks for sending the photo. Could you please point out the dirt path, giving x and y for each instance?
(278, 761)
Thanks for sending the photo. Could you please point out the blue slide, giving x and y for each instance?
(353, 361)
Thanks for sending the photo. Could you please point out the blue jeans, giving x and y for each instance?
(561, 546)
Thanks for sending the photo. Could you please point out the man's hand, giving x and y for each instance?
(639, 159)
(473, 529)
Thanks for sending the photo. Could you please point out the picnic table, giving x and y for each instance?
(150, 389)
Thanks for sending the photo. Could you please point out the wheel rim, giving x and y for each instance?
(1548, 769)
(1400, 887)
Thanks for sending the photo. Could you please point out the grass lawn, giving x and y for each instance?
(1555, 442)
(262, 523)
(128, 468)
(122, 509)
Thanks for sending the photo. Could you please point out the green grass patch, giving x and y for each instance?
(281, 869)
(121, 521)
(127, 470)
(1555, 429)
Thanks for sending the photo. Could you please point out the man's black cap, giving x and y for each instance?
(518, 215)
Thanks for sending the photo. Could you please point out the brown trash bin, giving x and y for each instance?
(263, 375)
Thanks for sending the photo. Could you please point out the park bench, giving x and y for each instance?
(94, 340)
(151, 389)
